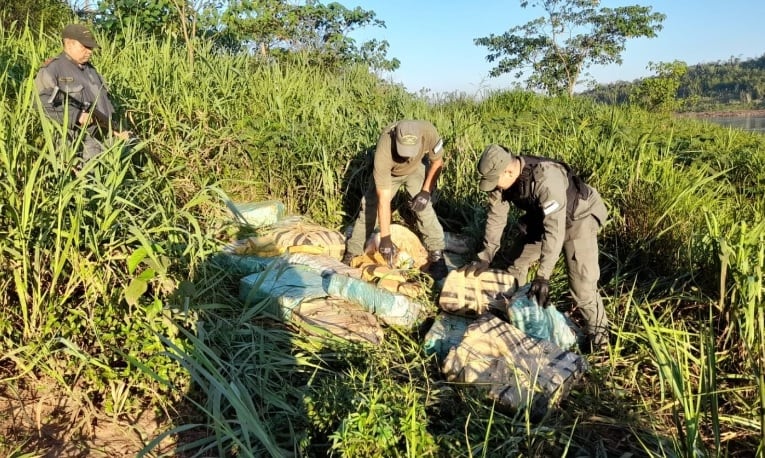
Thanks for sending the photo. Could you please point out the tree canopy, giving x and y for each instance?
(706, 86)
(49, 13)
(152, 17)
(552, 51)
(274, 28)
(659, 92)
(278, 26)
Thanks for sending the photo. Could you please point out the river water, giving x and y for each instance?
(753, 123)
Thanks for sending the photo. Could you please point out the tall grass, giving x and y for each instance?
(70, 234)
(742, 253)
(107, 282)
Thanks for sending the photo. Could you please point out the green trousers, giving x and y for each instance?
(427, 221)
(580, 247)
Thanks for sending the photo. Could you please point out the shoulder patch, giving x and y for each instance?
(48, 61)
(439, 146)
(550, 206)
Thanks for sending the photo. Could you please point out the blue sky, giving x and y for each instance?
(434, 39)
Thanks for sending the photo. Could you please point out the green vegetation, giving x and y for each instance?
(274, 28)
(731, 85)
(18, 14)
(659, 94)
(571, 35)
(110, 298)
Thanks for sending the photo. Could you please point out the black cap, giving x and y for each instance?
(80, 33)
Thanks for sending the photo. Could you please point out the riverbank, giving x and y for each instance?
(722, 114)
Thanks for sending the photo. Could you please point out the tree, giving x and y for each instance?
(51, 14)
(659, 93)
(152, 17)
(279, 27)
(572, 36)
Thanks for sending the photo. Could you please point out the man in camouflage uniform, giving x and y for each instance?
(399, 160)
(561, 212)
(70, 89)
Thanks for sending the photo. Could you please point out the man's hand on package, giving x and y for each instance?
(420, 201)
(387, 249)
(475, 268)
(540, 289)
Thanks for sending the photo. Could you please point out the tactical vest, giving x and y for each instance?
(521, 193)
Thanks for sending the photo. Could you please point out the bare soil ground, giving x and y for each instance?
(36, 420)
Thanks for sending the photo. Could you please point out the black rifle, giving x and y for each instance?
(102, 121)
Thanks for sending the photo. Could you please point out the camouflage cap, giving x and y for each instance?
(493, 162)
(80, 33)
(408, 138)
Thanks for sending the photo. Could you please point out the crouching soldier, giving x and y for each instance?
(561, 212)
(399, 160)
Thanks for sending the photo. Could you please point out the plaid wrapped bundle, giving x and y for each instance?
(336, 316)
(518, 371)
(470, 295)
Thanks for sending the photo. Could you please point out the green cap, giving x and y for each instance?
(493, 162)
(80, 33)
(408, 138)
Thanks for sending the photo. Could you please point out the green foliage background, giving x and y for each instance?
(734, 84)
(107, 274)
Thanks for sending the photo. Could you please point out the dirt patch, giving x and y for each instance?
(38, 418)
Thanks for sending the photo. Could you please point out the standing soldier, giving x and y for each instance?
(68, 85)
(561, 212)
(400, 160)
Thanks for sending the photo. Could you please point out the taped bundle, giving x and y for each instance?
(293, 235)
(393, 309)
(470, 295)
(518, 371)
(257, 214)
(411, 253)
(339, 317)
(445, 333)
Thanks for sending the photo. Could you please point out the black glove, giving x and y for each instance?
(540, 288)
(476, 268)
(419, 201)
(387, 249)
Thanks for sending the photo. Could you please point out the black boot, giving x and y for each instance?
(437, 265)
(347, 258)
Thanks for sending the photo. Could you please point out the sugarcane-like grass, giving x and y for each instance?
(110, 296)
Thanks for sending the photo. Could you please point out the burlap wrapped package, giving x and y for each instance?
(411, 255)
(339, 317)
(470, 295)
(519, 372)
(292, 235)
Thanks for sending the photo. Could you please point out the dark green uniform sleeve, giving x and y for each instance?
(45, 83)
(550, 188)
(383, 160)
(496, 220)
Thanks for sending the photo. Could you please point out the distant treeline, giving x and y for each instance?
(731, 84)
